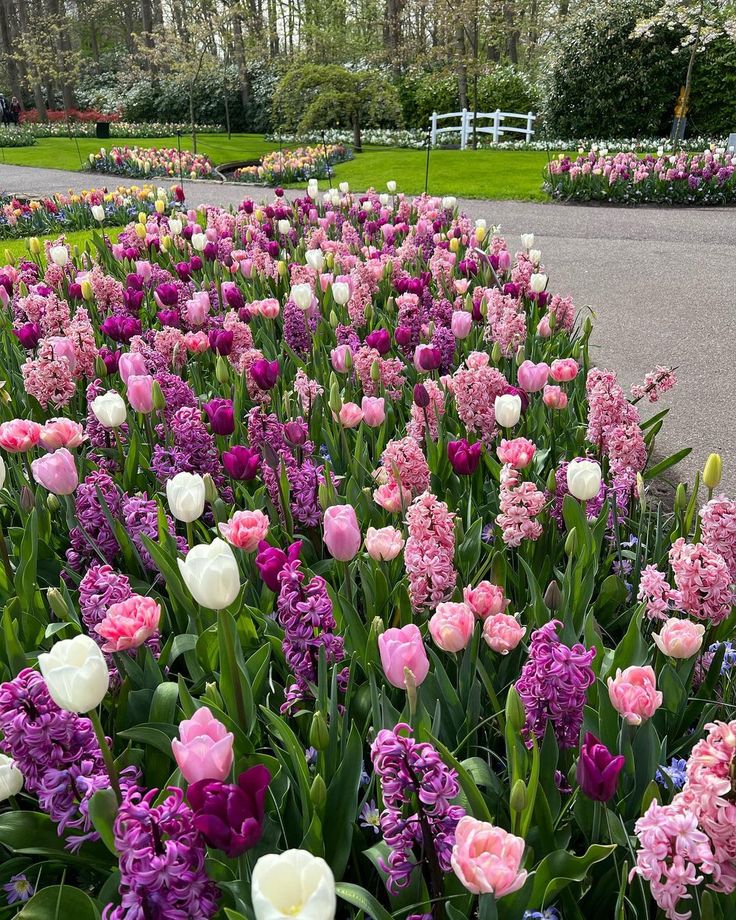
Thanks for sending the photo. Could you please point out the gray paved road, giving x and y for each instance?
(661, 282)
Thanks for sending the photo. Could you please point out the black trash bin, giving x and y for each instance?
(102, 130)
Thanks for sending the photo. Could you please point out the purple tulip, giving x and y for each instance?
(464, 457)
(75, 291)
(196, 263)
(221, 341)
(7, 283)
(265, 373)
(273, 249)
(221, 416)
(121, 328)
(421, 396)
(28, 335)
(210, 251)
(270, 560)
(598, 769)
(427, 358)
(241, 462)
(134, 281)
(184, 271)
(167, 294)
(229, 816)
(247, 206)
(232, 295)
(169, 318)
(295, 433)
(380, 340)
(133, 298)
(403, 335)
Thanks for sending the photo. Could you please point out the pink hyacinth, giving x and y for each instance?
(703, 581)
(475, 388)
(129, 624)
(657, 594)
(521, 502)
(429, 552)
(718, 530)
(406, 465)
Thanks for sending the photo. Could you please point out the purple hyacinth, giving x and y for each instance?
(57, 753)
(162, 861)
(417, 789)
(100, 588)
(177, 393)
(140, 516)
(297, 334)
(193, 450)
(553, 685)
(94, 533)
(444, 339)
(305, 614)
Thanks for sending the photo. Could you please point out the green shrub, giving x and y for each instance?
(713, 98)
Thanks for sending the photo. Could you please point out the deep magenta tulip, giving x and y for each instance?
(220, 415)
(265, 373)
(464, 457)
(241, 462)
(598, 769)
(230, 817)
(270, 560)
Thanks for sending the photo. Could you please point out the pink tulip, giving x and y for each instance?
(679, 638)
(197, 309)
(342, 358)
(374, 411)
(350, 415)
(63, 347)
(383, 544)
(204, 749)
(554, 398)
(487, 859)
(341, 532)
(504, 260)
(129, 624)
(56, 472)
(144, 269)
(402, 650)
(140, 392)
(532, 377)
(544, 330)
(634, 693)
(503, 632)
(131, 364)
(245, 529)
(392, 497)
(518, 452)
(451, 626)
(197, 342)
(461, 324)
(564, 369)
(62, 432)
(486, 599)
(270, 308)
(18, 436)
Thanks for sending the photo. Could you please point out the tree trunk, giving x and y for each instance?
(512, 34)
(191, 116)
(462, 70)
(6, 47)
(564, 8)
(357, 145)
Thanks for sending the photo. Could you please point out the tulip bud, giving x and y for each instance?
(212, 695)
(680, 498)
(334, 320)
(52, 502)
(319, 734)
(222, 371)
(283, 269)
(26, 500)
(377, 628)
(335, 402)
(368, 312)
(325, 494)
(160, 206)
(496, 353)
(551, 482)
(375, 371)
(553, 597)
(87, 291)
(552, 320)
(587, 327)
(517, 799)
(100, 367)
(34, 245)
(454, 244)
(520, 356)
(57, 603)
(571, 543)
(165, 243)
(157, 396)
(210, 489)
(318, 792)
(389, 306)
(713, 471)
(515, 715)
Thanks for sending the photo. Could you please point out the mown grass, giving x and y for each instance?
(18, 249)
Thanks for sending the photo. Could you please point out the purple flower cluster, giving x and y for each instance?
(57, 753)
(297, 334)
(417, 789)
(553, 685)
(100, 588)
(305, 614)
(162, 861)
(94, 532)
(140, 517)
(193, 448)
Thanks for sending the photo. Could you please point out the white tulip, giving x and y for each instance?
(391, 186)
(3, 472)
(109, 409)
(335, 197)
(293, 884)
(284, 226)
(527, 240)
(312, 188)
(481, 224)
(344, 187)
(161, 193)
(76, 673)
(11, 779)
(535, 255)
(199, 241)
(538, 282)
(315, 259)
(341, 292)
(449, 202)
(384, 199)
(175, 226)
(211, 574)
(583, 479)
(98, 212)
(368, 206)
(185, 495)
(507, 409)
(59, 255)
(327, 197)
(302, 295)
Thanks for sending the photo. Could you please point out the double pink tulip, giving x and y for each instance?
(245, 529)
(451, 626)
(633, 693)
(204, 748)
(487, 859)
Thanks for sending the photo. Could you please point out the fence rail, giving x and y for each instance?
(468, 118)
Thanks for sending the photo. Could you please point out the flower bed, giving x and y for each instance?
(13, 136)
(141, 162)
(120, 129)
(283, 166)
(332, 584)
(81, 210)
(701, 178)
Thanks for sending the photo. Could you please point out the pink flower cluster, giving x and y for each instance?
(429, 552)
(475, 388)
(613, 422)
(521, 502)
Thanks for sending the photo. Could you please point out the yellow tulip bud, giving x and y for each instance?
(517, 799)
(160, 206)
(258, 215)
(9, 257)
(480, 234)
(282, 268)
(87, 291)
(680, 498)
(713, 472)
(454, 244)
(34, 244)
(142, 218)
(140, 230)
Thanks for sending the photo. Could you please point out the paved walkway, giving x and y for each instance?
(661, 283)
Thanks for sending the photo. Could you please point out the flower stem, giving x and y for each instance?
(106, 754)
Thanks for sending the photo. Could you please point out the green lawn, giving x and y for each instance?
(486, 173)
(18, 249)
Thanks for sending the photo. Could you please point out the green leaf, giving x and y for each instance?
(25, 576)
(560, 869)
(663, 465)
(60, 903)
(476, 801)
(342, 797)
(103, 808)
(234, 684)
(158, 735)
(363, 900)
(35, 834)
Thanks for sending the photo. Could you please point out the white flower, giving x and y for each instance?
(535, 255)
(315, 259)
(98, 212)
(583, 479)
(449, 202)
(199, 241)
(507, 409)
(175, 226)
(109, 409)
(313, 188)
(293, 884)
(538, 282)
(368, 206)
(527, 240)
(344, 187)
(302, 295)
(11, 779)
(391, 186)
(384, 199)
(211, 574)
(341, 292)
(76, 673)
(185, 495)
(59, 255)
(284, 226)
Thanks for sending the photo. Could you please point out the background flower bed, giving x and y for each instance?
(430, 673)
(298, 165)
(141, 162)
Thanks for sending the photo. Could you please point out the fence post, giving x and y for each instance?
(496, 124)
(529, 122)
(434, 128)
(463, 128)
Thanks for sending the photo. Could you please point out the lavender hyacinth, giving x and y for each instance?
(57, 753)
(305, 614)
(417, 788)
(162, 861)
(94, 533)
(100, 588)
(193, 449)
(553, 685)
(140, 516)
(297, 334)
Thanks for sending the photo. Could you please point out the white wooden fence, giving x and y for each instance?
(496, 129)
